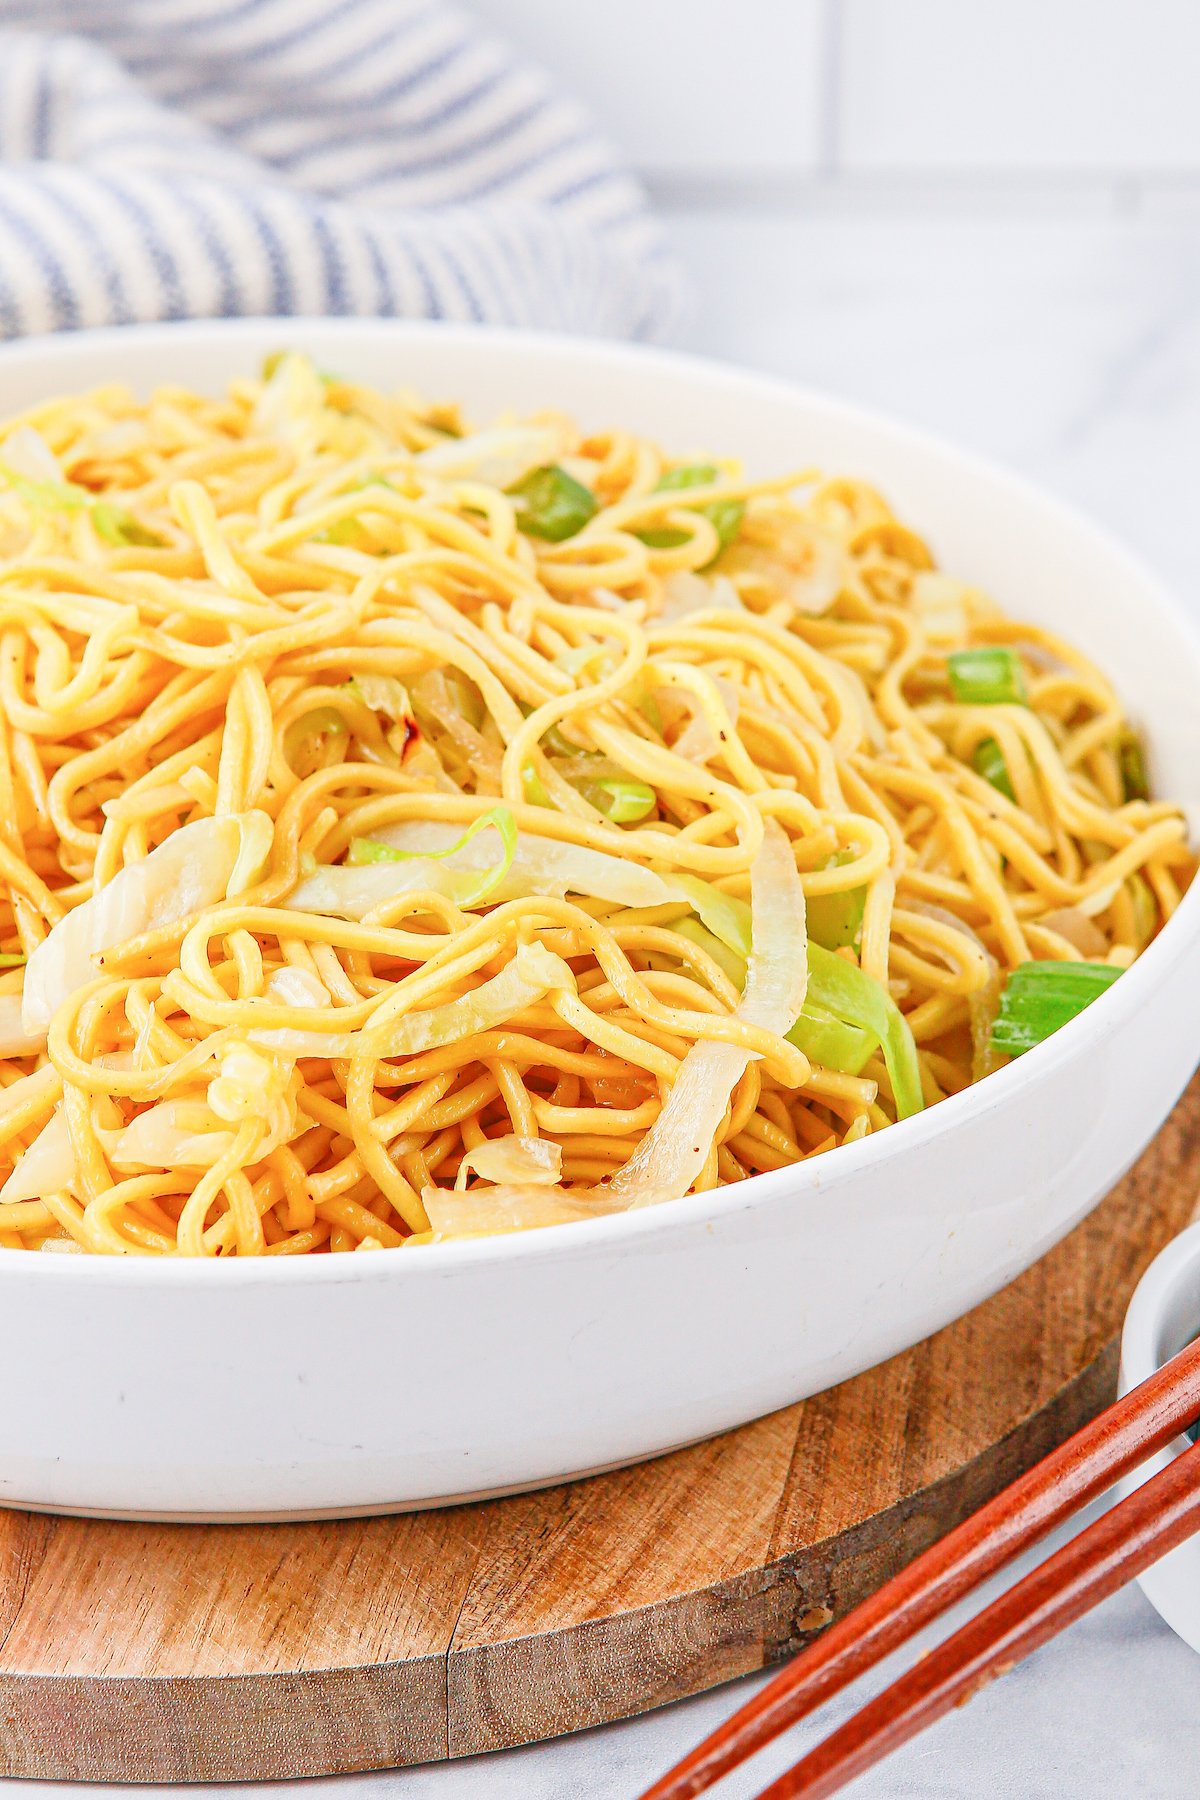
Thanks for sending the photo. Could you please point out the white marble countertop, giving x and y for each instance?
(1063, 339)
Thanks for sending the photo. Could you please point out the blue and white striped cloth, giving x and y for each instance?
(165, 159)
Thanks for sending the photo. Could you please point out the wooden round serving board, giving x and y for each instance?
(214, 1653)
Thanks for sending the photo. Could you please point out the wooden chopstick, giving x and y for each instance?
(1111, 1444)
(1153, 1520)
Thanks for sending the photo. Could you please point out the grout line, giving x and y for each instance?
(829, 98)
(822, 189)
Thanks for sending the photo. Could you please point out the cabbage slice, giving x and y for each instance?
(483, 1211)
(464, 890)
(674, 1150)
(537, 1160)
(43, 1081)
(195, 867)
(499, 456)
(539, 865)
(533, 972)
(46, 1167)
(15, 1040)
(173, 1134)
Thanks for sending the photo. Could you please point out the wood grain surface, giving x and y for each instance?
(207, 1653)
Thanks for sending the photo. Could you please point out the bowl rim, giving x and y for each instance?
(1176, 1266)
(609, 1234)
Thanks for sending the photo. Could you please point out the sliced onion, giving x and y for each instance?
(46, 1167)
(15, 1040)
(297, 987)
(469, 1212)
(674, 1150)
(941, 603)
(685, 592)
(483, 758)
(173, 1134)
(501, 456)
(26, 1088)
(984, 1003)
(533, 972)
(540, 865)
(516, 1159)
(1072, 923)
(696, 742)
(26, 452)
(195, 867)
(291, 404)
(343, 892)
(796, 563)
(1094, 904)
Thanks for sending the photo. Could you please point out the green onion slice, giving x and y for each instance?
(112, 523)
(1039, 997)
(536, 791)
(987, 759)
(346, 533)
(116, 526)
(1131, 760)
(551, 504)
(989, 676)
(621, 801)
(499, 819)
(46, 496)
(725, 515)
(1145, 908)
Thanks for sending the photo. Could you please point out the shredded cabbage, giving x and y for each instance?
(673, 1152)
(197, 866)
(830, 1041)
(846, 991)
(483, 1211)
(46, 1167)
(173, 1134)
(297, 987)
(291, 404)
(26, 1088)
(463, 891)
(15, 1038)
(685, 592)
(540, 865)
(537, 1160)
(501, 456)
(533, 972)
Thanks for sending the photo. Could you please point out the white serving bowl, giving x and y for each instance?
(347, 1384)
(1163, 1316)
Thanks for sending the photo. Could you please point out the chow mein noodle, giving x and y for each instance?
(410, 831)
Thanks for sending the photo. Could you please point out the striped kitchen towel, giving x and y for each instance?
(165, 159)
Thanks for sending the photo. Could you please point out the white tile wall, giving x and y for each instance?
(686, 85)
(726, 97)
(1030, 84)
